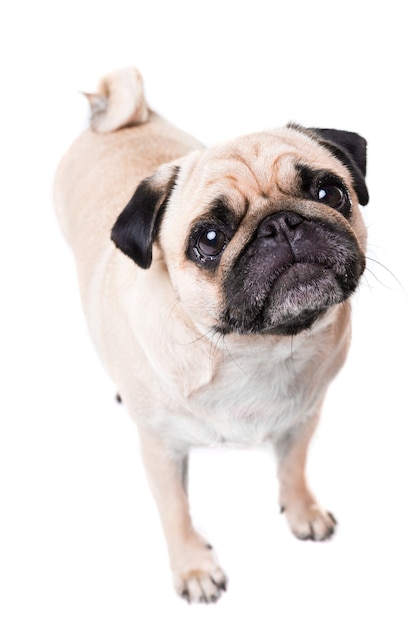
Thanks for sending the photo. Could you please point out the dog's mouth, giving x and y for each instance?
(298, 298)
(284, 287)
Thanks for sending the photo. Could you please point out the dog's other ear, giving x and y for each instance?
(137, 226)
(350, 148)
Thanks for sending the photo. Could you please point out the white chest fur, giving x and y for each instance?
(259, 391)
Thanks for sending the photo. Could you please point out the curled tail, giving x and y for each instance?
(119, 101)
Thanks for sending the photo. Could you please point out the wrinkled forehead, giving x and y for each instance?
(262, 165)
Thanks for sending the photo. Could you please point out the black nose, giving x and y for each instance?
(277, 224)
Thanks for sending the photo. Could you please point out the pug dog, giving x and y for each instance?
(216, 286)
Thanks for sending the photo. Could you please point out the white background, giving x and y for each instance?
(80, 539)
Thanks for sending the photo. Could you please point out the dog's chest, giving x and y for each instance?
(251, 399)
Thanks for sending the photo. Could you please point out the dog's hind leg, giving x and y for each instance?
(197, 576)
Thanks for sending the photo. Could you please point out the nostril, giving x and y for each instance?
(293, 219)
(268, 229)
(280, 222)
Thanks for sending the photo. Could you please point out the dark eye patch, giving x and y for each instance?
(326, 188)
(211, 233)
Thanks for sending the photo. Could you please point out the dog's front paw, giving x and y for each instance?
(197, 576)
(308, 520)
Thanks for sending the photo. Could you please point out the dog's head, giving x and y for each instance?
(259, 235)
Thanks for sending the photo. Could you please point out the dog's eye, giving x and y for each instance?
(211, 242)
(332, 194)
(207, 243)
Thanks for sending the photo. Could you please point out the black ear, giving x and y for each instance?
(137, 226)
(350, 148)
